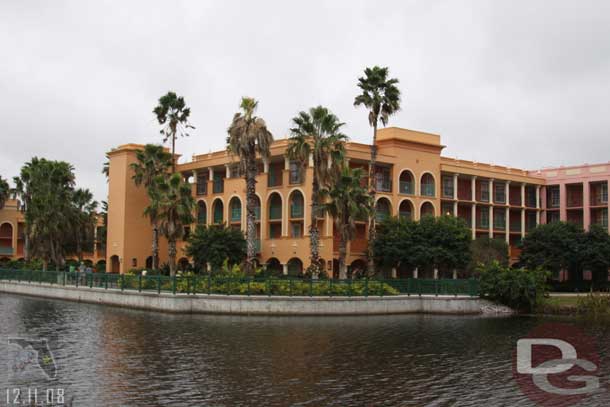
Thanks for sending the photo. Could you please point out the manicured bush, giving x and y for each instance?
(521, 289)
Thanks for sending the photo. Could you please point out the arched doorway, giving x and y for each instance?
(202, 213)
(149, 262)
(405, 210)
(183, 264)
(115, 265)
(427, 209)
(357, 269)
(100, 267)
(383, 209)
(295, 267)
(274, 267)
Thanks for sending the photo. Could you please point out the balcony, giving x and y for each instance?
(296, 211)
(275, 213)
(219, 186)
(383, 185)
(6, 251)
(296, 176)
(202, 187)
(406, 187)
(274, 179)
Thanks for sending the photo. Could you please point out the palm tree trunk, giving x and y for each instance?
(342, 256)
(250, 215)
(372, 227)
(26, 248)
(172, 256)
(314, 233)
(79, 250)
(155, 247)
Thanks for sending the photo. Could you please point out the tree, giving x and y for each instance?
(4, 191)
(153, 162)
(596, 256)
(174, 206)
(45, 189)
(381, 97)
(173, 113)
(485, 251)
(317, 133)
(214, 244)
(394, 246)
(84, 220)
(106, 170)
(248, 136)
(554, 247)
(346, 201)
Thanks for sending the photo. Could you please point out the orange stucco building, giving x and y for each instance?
(413, 179)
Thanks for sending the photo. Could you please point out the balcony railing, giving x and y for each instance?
(275, 212)
(7, 251)
(296, 211)
(427, 189)
(202, 188)
(383, 185)
(406, 187)
(297, 177)
(274, 180)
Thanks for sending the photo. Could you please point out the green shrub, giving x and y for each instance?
(520, 289)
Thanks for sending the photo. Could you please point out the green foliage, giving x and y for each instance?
(484, 251)
(442, 242)
(4, 191)
(172, 113)
(596, 255)
(521, 289)
(216, 244)
(380, 95)
(594, 305)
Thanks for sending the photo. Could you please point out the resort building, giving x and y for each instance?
(12, 240)
(412, 180)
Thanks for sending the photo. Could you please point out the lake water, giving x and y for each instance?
(109, 356)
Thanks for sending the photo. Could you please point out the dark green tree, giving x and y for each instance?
(596, 256)
(4, 191)
(381, 97)
(395, 243)
(554, 247)
(484, 251)
(214, 244)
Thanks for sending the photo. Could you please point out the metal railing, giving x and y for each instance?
(406, 187)
(271, 286)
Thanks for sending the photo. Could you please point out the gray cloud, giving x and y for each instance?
(522, 83)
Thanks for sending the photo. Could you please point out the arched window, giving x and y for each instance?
(235, 210)
(275, 216)
(6, 239)
(427, 209)
(202, 213)
(383, 209)
(405, 210)
(295, 267)
(427, 185)
(297, 212)
(218, 209)
(407, 183)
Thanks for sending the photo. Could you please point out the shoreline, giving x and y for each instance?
(261, 305)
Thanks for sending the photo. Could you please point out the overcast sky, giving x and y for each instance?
(520, 83)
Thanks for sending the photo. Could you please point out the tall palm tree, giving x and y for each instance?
(248, 136)
(153, 161)
(106, 169)
(4, 191)
(317, 133)
(173, 113)
(346, 201)
(381, 97)
(85, 218)
(175, 211)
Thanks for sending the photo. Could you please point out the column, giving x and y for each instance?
(454, 274)
(415, 272)
(265, 166)
(473, 221)
(522, 195)
(394, 272)
(286, 163)
(491, 221)
(507, 225)
(285, 269)
(537, 205)
(435, 273)
(227, 171)
(507, 192)
(586, 205)
(473, 187)
(491, 191)
(563, 203)
(455, 195)
(522, 223)
(210, 184)
(211, 173)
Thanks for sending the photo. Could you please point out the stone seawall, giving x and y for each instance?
(257, 305)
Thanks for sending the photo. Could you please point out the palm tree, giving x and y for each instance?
(381, 97)
(173, 113)
(175, 211)
(4, 191)
(106, 169)
(249, 136)
(85, 218)
(346, 201)
(153, 161)
(317, 133)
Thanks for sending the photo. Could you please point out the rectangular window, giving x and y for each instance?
(447, 186)
(296, 172)
(552, 216)
(500, 220)
(383, 181)
(202, 183)
(553, 196)
(499, 192)
(275, 230)
(530, 197)
(218, 183)
(484, 191)
(603, 193)
(296, 230)
(484, 218)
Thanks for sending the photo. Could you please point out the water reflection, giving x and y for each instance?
(112, 356)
